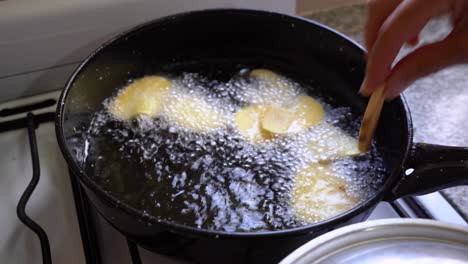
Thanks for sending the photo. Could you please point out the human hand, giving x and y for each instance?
(391, 23)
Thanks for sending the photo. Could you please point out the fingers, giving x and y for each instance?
(405, 22)
(426, 60)
(459, 8)
(460, 22)
(377, 12)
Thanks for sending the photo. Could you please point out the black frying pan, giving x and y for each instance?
(206, 41)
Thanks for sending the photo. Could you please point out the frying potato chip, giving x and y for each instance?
(277, 89)
(308, 112)
(247, 121)
(265, 75)
(144, 96)
(260, 122)
(277, 120)
(194, 113)
(319, 194)
(330, 142)
(305, 112)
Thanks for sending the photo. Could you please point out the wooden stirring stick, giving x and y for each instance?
(371, 118)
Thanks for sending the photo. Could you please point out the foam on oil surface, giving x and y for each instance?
(216, 179)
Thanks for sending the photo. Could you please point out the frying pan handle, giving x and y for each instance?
(432, 168)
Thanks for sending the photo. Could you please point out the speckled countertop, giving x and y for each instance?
(438, 103)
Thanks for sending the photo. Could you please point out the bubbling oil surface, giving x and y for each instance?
(215, 180)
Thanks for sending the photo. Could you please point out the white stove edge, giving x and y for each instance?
(51, 204)
(439, 208)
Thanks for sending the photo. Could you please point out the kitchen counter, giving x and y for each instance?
(438, 103)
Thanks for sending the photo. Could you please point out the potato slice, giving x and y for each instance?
(308, 113)
(277, 120)
(319, 194)
(277, 89)
(330, 142)
(247, 121)
(264, 74)
(305, 112)
(195, 113)
(143, 96)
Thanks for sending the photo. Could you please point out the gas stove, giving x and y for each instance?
(72, 230)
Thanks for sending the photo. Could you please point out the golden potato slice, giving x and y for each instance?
(308, 113)
(143, 96)
(319, 194)
(264, 74)
(263, 121)
(277, 89)
(277, 119)
(247, 121)
(194, 113)
(305, 112)
(330, 142)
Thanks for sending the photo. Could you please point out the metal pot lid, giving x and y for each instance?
(387, 241)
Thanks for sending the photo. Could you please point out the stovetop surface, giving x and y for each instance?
(53, 207)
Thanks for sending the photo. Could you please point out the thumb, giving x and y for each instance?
(426, 60)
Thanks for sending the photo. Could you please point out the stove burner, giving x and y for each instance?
(21, 208)
(23, 122)
(26, 108)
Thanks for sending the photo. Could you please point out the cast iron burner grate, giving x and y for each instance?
(83, 207)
